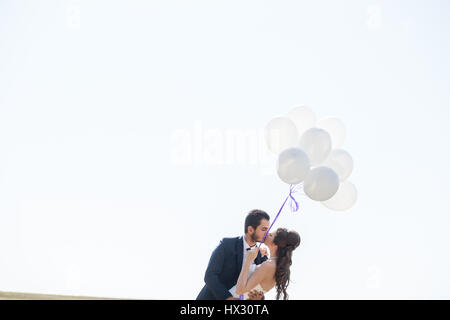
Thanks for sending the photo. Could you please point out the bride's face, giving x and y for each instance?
(269, 239)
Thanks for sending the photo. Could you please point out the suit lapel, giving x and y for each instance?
(259, 259)
(239, 251)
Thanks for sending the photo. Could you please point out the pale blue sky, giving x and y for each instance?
(93, 92)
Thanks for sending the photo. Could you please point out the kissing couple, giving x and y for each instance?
(238, 267)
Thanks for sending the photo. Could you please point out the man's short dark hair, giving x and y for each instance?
(254, 218)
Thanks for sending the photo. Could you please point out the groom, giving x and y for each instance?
(225, 263)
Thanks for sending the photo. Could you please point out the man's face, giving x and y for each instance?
(258, 234)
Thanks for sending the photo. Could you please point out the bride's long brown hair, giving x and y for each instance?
(286, 241)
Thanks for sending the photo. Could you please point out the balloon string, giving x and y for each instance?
(294, 208)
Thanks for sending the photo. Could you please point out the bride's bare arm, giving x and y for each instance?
(245, 283)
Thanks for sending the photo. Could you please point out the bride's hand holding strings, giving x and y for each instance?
(263, 252)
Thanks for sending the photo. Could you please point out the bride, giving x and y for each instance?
(273, 272)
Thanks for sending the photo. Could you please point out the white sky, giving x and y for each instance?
(94, 199)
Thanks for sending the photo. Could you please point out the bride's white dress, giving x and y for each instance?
(257, 287)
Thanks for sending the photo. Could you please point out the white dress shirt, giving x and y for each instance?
(252, 269)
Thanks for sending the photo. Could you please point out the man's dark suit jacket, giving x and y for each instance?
(224, 268)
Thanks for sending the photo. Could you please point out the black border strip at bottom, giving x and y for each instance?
(191, 309)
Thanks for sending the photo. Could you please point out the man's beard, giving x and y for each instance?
(254, 238)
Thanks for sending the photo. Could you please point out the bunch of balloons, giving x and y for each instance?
(309, 152)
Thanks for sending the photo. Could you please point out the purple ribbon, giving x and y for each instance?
(294, 208)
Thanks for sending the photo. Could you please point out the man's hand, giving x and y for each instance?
(232, 298)
(255, 295)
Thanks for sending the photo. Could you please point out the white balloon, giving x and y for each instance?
(303, 118)
(341, 162)
(321, 183)
(293, 165)
(336, 129)
(281, 133)
(317, 145)
(344, 198)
